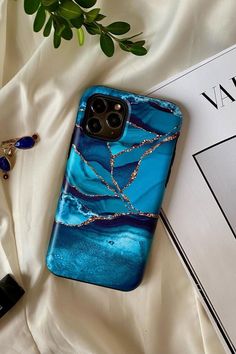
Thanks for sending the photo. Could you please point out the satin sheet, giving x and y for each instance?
(40, 88)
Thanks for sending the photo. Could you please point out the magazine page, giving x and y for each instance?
(199, 209)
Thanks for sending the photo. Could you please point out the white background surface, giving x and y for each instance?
(40, 88)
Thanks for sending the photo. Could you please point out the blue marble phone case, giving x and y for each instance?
(111, 194)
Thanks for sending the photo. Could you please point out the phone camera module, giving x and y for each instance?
(99, 105)
(94, 126)
(105, 117)
(114, 120)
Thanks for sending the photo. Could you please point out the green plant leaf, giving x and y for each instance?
(64, 15)
(67, 33)
(92, 15)
(56, 40)
(118, 28)
(47, 3)
(134, 48)
(80, 35)
(128, 38)
(92, 29)
(40, 19)
(137, 50)
(86, 3)
(31, 6)
(69, 10)
(125, 45)
(140, 43)
(107, 45)
(50, 5)
(59, 25)
(77, 22)
(100, 17)
(48, 27)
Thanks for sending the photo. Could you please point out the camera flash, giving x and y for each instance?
(117, 107)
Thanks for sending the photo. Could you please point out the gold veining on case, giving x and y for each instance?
(166, 138)
(111, 217)
(91, 195)
(137, 126)
(136, 146)
(86, 162)
(121, 194)
(124, 197)
(148, 152)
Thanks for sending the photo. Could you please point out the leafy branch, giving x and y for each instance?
(68, 16)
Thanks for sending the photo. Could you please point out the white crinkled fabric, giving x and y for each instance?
(40, 89)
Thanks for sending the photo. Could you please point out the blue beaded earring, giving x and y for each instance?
(8, 148)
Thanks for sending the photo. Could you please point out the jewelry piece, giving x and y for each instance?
(9, 147)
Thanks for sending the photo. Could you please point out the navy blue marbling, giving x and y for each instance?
(112, 193)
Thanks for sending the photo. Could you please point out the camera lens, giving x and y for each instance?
(94, 125)
(99, 105)
(114, 120)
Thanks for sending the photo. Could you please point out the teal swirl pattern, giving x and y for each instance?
(112, 193)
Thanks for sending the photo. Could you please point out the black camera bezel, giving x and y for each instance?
(89, 113)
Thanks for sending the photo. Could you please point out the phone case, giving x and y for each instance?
(112, 193)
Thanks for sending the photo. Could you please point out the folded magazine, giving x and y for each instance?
(199, 209)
